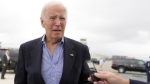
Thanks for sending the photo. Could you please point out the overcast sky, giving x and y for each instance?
(111, 27)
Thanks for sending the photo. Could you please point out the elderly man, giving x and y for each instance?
(52, 58)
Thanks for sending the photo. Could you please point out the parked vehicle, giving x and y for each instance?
(13, 57)
(95, 61)
(123, 65)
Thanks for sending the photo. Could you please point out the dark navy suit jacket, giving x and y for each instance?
(28, 69)
(138, 82)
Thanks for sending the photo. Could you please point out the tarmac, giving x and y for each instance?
(106, 66)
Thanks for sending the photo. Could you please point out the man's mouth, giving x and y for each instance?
(57, 30)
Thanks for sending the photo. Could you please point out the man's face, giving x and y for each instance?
(7, 51)
(54, 21)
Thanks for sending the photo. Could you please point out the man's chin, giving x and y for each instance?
(57, 38)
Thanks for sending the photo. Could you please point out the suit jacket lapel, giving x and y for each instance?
(69, 56)
(36, 53)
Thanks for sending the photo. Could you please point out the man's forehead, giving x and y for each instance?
(50, 13)
(55, 11)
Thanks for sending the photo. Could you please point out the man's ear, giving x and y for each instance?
(42, 22)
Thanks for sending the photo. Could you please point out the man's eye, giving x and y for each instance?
(62, 18)
(52, 18)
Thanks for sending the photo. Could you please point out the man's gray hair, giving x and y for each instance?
(51, 3)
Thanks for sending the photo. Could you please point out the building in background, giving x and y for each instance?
(114, 57)
(118, 57)
(83, 40)
(93, 55)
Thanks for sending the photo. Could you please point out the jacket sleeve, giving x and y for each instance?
(138, 82)
(84, 73)
(20, 75)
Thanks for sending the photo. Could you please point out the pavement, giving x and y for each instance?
(9, 78)
(106, 67)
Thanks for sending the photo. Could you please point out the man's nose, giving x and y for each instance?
(58, 22)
